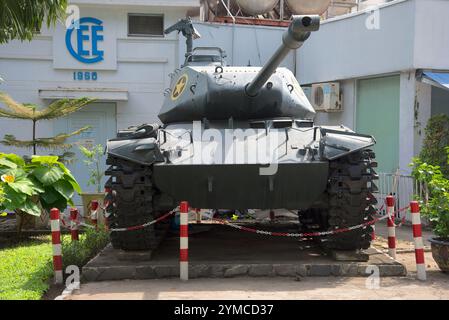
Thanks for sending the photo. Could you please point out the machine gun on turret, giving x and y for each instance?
(188, 31)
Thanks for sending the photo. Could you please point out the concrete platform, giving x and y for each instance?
(220, 251)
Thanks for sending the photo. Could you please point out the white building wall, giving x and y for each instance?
(400, 37)
(345, 48)
(431, 34)
(142, 67)
(406, 120)
(423, 108)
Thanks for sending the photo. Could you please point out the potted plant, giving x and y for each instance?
(434, 201)
(33, 186)
(93, 158)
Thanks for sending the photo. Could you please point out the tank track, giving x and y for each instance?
(350, 200)
(131, 204)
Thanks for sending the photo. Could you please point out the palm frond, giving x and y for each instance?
(15, 110)
(58, 141)
(62, 108)
(57, 109)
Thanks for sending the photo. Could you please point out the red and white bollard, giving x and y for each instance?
(56, 244)
(184, 241)
(74, 224)
(94, 205)
(417, 237)
(391, 227)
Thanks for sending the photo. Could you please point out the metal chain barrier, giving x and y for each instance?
(142, 226)
(163, 217)
(242, 228)
(307, 234)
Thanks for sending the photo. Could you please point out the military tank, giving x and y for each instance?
(244, 138)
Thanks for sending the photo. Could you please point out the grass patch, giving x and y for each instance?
(25, 269)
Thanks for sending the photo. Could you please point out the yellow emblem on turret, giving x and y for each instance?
(179, 87)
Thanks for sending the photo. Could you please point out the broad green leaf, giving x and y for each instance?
(60, 203)
(37, 185)
(13, 199)
(68, 177)
(7, 163)
(48, 175)
(65, 188)
(18, 160)
(44, 159)
(23, 186)
(50, 195)
(31, 208)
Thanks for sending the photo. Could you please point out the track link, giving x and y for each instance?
(131, 204)
(350, 200)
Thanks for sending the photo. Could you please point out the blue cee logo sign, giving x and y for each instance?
(82, 40)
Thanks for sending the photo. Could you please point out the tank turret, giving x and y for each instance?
(205, 88)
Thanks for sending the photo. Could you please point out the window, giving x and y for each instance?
(145, 25)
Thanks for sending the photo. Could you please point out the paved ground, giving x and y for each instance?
(267, 288)
(436, 287)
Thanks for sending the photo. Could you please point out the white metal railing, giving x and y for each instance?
(402, 187)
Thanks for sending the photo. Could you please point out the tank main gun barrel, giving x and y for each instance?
(298, 32)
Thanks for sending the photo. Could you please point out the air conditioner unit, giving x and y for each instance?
(326, 97)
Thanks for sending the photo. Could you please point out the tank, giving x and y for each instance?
(236, 137)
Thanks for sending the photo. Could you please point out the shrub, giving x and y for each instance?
(436, 140)
(434, 195)
(30, 185)
(78, 253)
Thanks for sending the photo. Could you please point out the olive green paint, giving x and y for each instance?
(377, 113)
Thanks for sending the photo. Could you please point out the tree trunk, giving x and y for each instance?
(34, 137)
(19, 217)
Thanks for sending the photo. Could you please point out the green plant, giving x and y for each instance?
(34, 113)
(20, 19)
(2, 195)
(435, 143)
(31, 185)
(80, 252)
(93, 159)
(433, 195)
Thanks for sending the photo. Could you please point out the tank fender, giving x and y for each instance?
(142, 151)
(335, 144)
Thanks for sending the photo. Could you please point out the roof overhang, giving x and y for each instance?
(434, 78)
(103, 94)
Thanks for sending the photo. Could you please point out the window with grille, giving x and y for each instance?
(145, 25)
